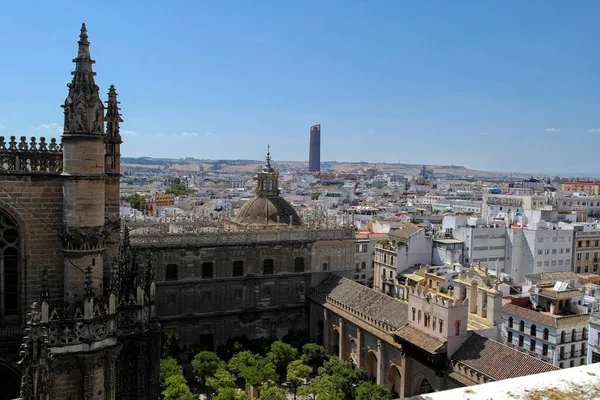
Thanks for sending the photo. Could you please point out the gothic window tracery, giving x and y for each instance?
(9, 268)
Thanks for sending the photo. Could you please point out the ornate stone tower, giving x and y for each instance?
(112, 180)
(83, 174)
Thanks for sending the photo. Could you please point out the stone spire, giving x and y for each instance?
(84, 111)
(113, 117)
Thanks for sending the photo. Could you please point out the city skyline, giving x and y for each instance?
(389, 82)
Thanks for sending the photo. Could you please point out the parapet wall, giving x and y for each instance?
(25, 157)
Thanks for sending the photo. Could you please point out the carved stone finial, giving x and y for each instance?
(89, 283)
(45, 295)
(2, 143)
(53, 146)
(43, 145)
(23, 144)
(13, 143)
(33, 144)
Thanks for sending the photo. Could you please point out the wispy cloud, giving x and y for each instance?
(51, 128)
(594, 130)
(2, 126)
(483, 133)
(186, 134)
(129, 133)
(552, 130)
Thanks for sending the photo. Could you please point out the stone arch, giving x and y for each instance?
(354, 355)
(372, 365)
(394, 380)
(334, 342)
(10, 383)
(422, 386)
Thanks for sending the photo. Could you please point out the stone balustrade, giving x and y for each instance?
(25, 157)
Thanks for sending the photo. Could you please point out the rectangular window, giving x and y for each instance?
(561, 251)
(587, 256)
(539, 263)
(532, 345)
(567, 250)
(554, 239)
(267, 292)
(434, 325)
(237, 294)
(419, 316)
(547, 251)
(268, 266)
(540, 240)
(553, 251)
(561, 239)
(553, 262)
(206, 296)
(546, 263)
(540, 252)
(578, 256)
(325, 266)
(544, 349)
(441, 325)
(509, 338)
(521, 339)
(413, 313)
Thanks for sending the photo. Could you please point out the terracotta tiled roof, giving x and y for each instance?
(421, 339)
(406, 232)
(498, 361)
(560, 321)
(365, 300)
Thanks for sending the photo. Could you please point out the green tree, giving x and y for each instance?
(253, 368)
(371, 391)
(280, 355)
(221, 380)
(205, 363)
(179, 189)
(338, 376)
(171, 346)
(135, 200)
(273, 393)
(176, 388)
(314, 356)
(231, 394)
(324, 387)
(168, 367)
(297, 374)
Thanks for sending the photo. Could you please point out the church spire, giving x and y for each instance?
(84, 110)
(113, 117)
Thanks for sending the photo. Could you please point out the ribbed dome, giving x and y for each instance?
(265, 210)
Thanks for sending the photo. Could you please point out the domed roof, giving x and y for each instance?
(264, 210)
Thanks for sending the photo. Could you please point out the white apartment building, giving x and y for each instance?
(594, 339)
(494, 205)
(537, 248)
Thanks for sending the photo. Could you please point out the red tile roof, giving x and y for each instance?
(498, 361)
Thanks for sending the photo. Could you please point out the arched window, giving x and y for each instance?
(533, 330)
(584, 334)
(299, 264)
(522, 326)
(9, 269)
(510, 322)
(562, 337)
(207, 270)
(573, 335)
(171, 272)
(546, 333)
(238, 268)
(268, 266)
(456, 328)
(363, 265)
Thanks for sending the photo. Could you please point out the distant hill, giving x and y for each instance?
(250, 166)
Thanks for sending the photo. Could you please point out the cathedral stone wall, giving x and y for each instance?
(40, 246)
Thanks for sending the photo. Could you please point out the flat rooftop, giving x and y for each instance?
(578, 383)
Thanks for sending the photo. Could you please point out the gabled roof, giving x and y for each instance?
(364, 300)
(496, 360)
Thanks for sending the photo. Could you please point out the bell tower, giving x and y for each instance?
(268, 179)
(83, 177)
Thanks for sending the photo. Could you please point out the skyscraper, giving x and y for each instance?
(314, 155)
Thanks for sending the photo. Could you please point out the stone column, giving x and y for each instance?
(481, 294)
(402, 390)
(342, 338)
(326, 328)
(473, 299)
(360, 342)
(380, 362)
(88, 378)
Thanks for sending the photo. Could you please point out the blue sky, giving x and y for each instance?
(496, 85)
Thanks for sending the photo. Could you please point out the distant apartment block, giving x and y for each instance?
(157, 202)
(589, 188)
(314, 156)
